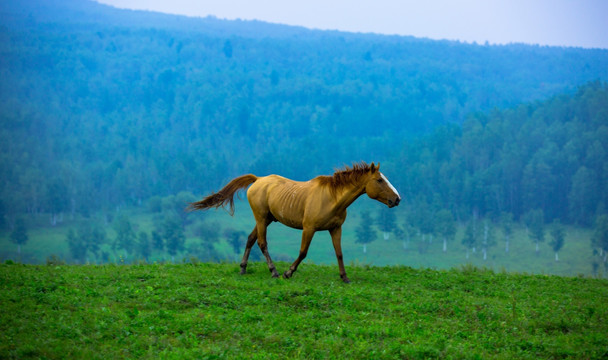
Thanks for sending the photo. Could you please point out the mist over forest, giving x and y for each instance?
(102, 109)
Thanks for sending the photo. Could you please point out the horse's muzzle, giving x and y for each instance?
(393, 203)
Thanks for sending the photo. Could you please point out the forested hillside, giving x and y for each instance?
(549, 156)
(102, 108)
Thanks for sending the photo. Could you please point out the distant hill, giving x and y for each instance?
(101, 107)
(91, 13)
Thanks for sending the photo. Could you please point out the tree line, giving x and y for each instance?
(125, 240)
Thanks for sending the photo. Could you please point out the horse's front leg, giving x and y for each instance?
(336, 239)
(307, 235)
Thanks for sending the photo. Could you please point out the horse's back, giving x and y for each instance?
(266, 184)
(284, 198)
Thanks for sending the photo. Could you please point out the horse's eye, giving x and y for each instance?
(379, 180)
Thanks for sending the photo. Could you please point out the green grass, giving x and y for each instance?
(208, 311)
(284, 244)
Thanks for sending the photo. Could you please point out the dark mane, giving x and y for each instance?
(344, 177)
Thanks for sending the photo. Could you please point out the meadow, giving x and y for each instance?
(209, 311)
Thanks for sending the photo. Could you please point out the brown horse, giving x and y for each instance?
(317, 204)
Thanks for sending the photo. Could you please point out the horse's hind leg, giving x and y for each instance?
(261, 227)
(250, 241)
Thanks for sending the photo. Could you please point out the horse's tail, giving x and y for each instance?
(224, 196)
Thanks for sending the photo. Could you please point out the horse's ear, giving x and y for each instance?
(373, 168)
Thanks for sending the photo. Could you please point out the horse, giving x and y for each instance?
(311, 206)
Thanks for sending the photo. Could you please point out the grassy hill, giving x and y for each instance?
(209, 311)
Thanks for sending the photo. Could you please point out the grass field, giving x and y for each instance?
(208, 311)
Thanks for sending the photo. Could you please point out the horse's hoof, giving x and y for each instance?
(286, 275)
(275, 274)
(243, 272)
(345, 279)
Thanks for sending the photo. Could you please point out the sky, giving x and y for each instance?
(578, 23)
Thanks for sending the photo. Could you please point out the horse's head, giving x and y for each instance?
(379, 188)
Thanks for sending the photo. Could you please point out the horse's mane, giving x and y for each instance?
(344, 177)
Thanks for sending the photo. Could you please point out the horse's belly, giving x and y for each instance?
(287, 219)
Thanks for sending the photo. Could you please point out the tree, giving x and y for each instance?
(157, 241)
(57, 198)
(399, 233)
(19, 234)
(93, 236)
(535, 220)
(365, 233)
(557, 234)
(209, 234)
(488, 239)
(174, 205)
(538, 182)
(86, 240)
(125, 236)
(507, 228)
(143, 245)
(407, 231)
(470, 236)
(173, 235)
(422, 218)
(155, 204)
(600, 236)
(583, 196)
(386, 221)
(77, 247)
(235, 239)
(446, 226)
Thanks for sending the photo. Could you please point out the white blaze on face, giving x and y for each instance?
(390, 185)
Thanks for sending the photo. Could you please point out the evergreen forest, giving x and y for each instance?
(104, 109)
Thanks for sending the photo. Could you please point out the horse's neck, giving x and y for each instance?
(348, 194)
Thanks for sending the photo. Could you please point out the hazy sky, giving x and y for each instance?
(546, 22)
